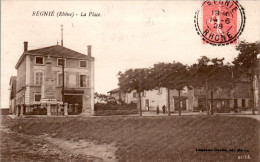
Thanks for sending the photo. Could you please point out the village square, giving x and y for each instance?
(129, 81)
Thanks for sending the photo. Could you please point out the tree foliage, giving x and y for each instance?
(246, 61)
(134, 79)
(209, 73)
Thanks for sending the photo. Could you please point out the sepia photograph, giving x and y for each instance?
(130, 81)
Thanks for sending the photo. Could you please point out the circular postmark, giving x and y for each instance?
(220, 22)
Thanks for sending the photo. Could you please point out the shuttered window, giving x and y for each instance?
(83, 80)
(38, 78)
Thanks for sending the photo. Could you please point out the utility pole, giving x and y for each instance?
(139, 92)
(62, 35)
(211, 102)
(179, 102)
(63, 80)
(258, 83)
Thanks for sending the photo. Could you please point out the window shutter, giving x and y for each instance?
(36, 78)
(41, 78)
(84, 80)
(87, 81)
(77, 79)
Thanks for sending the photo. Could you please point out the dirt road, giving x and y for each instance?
(20, 147)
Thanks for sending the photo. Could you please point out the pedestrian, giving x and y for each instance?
(163, 108)
(157, 109)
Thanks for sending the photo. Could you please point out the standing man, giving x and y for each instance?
(163, 109)
(157, 109)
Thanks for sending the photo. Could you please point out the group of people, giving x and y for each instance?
(163, 109)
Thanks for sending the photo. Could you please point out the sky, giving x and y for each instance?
(129, 34)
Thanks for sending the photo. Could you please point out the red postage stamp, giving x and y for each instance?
(220, 22)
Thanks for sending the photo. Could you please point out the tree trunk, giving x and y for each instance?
(206, 102)
(140, 103)
(258, 86)
(252, 92)
(169, 110)
(179, 102)
(211, 99)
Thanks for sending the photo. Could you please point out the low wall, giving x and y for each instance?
(4, 111)
(114, 112)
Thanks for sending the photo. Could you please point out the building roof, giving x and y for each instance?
(55, 51)
(114, 90)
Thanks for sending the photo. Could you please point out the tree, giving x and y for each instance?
(246, 63)
(211, 74)
(179, 80)
(170, 76)
(134, 79)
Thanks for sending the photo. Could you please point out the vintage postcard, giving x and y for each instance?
(130, 80)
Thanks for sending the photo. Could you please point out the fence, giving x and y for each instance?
(48, 109)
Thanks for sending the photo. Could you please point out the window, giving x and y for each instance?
(72, 80)
(37, 97)
(39, 60)
(83, 63)
(60, 79)
(83, 81)
(38, 78)
(134, 95)
(224, 103)
(59, 62)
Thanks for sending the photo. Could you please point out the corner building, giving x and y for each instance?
(78, 77)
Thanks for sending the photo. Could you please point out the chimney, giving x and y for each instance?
(89, 50)
(25, 47)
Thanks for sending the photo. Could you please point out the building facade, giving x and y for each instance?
(225, 99)
(78, 77)
(157, 97)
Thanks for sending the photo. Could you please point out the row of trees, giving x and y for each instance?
(206, 72)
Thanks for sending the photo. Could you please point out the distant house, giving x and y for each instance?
(156, 97)
(78, 78)
(192, 99)
(12, 97)
(118, 94)
(224, 99)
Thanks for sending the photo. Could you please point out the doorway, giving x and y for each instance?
(235, 103)
(147, 104)
(243, 103)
